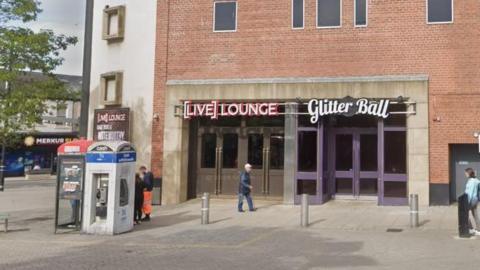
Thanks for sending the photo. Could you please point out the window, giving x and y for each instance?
(111, 88)
(361, 12)
(114, 23)
(225, 16)
(209, 147)
(439, 11)
(329, 13)
(298, 11)
(255, 150)
(230, 151)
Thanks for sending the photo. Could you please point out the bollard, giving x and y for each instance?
(414, 210)
(205, 208)
(304, 214)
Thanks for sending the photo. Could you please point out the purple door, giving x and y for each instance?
(355, 163)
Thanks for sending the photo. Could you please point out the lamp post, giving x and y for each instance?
(87, 63)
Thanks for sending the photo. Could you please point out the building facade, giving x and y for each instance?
(357, 99)
(122, 73)
(420, 55)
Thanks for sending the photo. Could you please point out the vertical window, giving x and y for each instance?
(361, 12)
(298, 13)
(114, 23)
(329, 13)
(230, 150)
(255, 150)
(225, 16)
(209, 146)
(111, 88)
(439, 11)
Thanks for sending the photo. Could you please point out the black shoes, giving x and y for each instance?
(147, 218)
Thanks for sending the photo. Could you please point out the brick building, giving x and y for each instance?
(419, 56)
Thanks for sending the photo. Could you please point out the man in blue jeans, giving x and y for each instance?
(245, 188)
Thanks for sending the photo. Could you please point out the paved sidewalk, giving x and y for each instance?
(342, 235)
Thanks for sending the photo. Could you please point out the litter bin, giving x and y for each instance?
(463, 228)
(157, 191)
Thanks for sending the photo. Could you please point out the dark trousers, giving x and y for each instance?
(249, 201)
(137, 216)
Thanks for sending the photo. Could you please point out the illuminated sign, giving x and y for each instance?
(215, 109)
(347, 107)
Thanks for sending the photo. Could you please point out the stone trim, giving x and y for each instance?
(389, 78)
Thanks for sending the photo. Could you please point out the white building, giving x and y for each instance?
(122, 70)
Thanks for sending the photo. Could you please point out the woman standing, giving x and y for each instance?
(471, 189)
(139, 187)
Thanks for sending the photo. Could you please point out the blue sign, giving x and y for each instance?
(111, 157)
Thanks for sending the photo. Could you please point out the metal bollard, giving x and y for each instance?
(414, 221)
(304, 214)
(205, 208)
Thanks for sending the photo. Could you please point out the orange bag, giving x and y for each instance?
(147, 202)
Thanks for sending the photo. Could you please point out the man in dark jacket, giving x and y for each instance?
(147, 194)
(245, 188)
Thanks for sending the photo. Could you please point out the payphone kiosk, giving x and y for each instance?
(70, 183)
(109, 188)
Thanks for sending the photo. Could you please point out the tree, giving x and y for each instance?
(24, 52)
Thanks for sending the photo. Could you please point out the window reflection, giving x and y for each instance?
(396, 152)
(255, 150)
(230, 150)
(307, 151)
(276, 151)
(209, 144)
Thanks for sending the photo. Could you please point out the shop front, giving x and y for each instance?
(352, 139)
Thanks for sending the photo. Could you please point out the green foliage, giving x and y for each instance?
(27, 60)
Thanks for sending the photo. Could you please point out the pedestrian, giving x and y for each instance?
(147, 177)
(245, 189)
(471, 189)
(139, 187)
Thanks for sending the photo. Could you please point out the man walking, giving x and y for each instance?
(245, 188)
(147, 193)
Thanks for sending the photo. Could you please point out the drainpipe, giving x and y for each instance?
(87, 63)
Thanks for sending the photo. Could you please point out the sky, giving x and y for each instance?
(64, 17)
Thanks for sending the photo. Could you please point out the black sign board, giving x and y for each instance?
(111, 124)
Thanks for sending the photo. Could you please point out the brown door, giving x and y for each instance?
(218, 170)
(265, 153)
(223, 152)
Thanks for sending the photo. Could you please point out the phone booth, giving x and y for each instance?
(109, 188)
(70, 183)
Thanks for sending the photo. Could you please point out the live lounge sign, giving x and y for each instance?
(347, 107)
(215, 109)
(317, 108)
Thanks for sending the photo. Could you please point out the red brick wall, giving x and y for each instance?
(397, 41)
(159, 85)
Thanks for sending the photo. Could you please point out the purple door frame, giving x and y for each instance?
(356, 174)
(325, 177)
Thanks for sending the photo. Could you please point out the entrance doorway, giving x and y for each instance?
(356, 164)
(354, 158)
(223, 151)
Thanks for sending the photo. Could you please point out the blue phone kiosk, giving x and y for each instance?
(109, 188)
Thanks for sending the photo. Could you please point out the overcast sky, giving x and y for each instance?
(65, 17)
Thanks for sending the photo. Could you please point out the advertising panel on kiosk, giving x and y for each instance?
(70, 184)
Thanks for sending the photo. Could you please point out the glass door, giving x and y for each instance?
(367, 184)
(356, 164)
(265, 154)
(218, 168)
(344, 166)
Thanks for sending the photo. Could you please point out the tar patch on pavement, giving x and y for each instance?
(394, 230)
